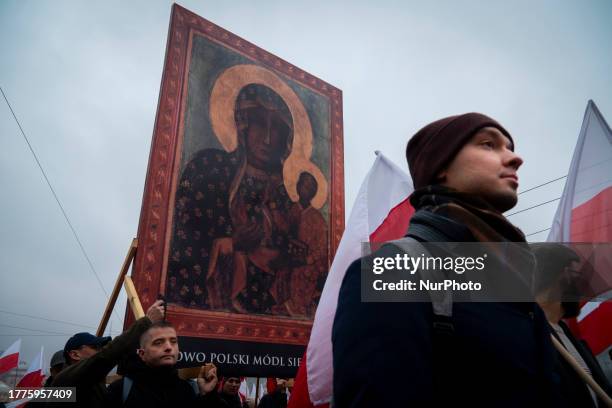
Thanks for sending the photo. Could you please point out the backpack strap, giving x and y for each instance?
(443, 329)
(127, 387)
(441, 301)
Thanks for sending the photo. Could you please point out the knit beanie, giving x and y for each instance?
(434, 146)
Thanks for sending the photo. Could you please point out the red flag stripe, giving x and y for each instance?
(32, 380)
(395, 224)
(592, 221)
(596, 329)
(9, 362)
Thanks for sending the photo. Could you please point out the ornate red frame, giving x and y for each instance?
(155, 221)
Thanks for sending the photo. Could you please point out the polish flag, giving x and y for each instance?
(10, 358)
(381, 212)
(585, 215)
(34, 377)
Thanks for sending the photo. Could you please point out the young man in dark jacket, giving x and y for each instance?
(557, 282)
(494, 354)
(155, 382)
(90, 359)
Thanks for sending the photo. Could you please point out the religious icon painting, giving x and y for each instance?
(243, 205)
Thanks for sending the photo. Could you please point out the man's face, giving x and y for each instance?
(266, 138)
(83, 352)
(159, 347)
(486, 166)
(231, 385)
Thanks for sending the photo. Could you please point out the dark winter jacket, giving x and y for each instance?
(231, 401)
(158, 388)
(275, 399)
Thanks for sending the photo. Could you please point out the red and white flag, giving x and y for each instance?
(585, 215)
(381, 212)
(34, 377)
(10, 358)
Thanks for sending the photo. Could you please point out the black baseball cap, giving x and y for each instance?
(85, 339)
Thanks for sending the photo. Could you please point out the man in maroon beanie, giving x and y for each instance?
(495, 354)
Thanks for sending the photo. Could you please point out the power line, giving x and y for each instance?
(74, 233)
(45, 319)
(562, 177)
(537, 232)
(532, 207)
(543, 184)
(36, 330)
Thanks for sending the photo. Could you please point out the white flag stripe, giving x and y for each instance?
(37, 363)
(13, 349)
(17, 403)
(387, 186)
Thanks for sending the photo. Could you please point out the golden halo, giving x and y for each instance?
(291, 171)
(222, 106)
(223, 101)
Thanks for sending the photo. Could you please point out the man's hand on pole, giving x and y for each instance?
(156, 311)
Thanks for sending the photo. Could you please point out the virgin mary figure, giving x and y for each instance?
(235, 237)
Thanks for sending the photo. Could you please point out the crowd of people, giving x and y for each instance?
(498, 354)
(146, 355)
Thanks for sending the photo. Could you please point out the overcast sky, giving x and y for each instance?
(83, 79)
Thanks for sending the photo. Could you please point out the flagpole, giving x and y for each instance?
(601, 394)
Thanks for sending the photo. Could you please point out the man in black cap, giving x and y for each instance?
(82, 346)
(90, 358)
(464, 170)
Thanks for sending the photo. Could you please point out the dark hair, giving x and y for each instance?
(157, 325)
(551, 259)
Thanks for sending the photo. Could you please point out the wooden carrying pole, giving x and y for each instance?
(133, 298)
(117, 289)
(601, 394)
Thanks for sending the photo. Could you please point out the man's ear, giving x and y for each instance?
(74, 355)
(140, 353)
(441, 176)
